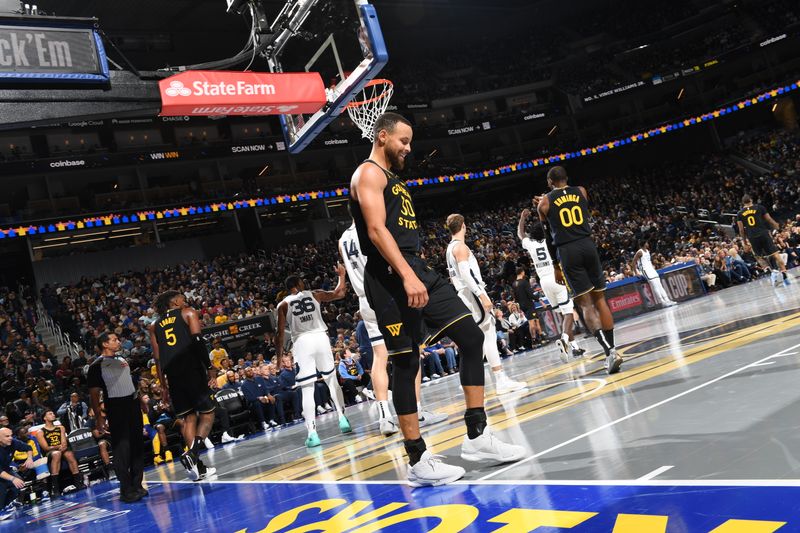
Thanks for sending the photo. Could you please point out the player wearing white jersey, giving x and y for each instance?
(355, 262)
(465, 275)
(556, 293)
(300, 311)
(643, 266)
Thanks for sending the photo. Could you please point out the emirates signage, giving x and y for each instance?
(210, 93)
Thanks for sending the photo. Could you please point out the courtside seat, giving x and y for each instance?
(239, 414)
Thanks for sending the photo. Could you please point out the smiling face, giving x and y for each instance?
(396, 144)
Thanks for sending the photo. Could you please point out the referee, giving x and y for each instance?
(111, 374)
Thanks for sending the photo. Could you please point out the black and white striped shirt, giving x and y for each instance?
(113, 375)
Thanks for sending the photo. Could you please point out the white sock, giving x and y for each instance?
(574, 345)
(498, 375)
(383, 410)
(419, 408)
(336, 392)
(565, 338)
(309, 408)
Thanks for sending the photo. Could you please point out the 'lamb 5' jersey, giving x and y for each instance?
(303, 315)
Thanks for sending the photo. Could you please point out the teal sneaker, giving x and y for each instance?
(344, 424)
(312, 440)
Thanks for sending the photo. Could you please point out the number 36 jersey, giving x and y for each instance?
(304, 315)
(568, 216)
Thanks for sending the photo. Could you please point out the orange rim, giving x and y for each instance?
(375, 98)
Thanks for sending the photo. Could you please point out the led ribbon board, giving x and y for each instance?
(34, 50)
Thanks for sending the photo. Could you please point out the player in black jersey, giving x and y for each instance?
(754, 226)
(406, 295)
(185, 372)
(565, 212)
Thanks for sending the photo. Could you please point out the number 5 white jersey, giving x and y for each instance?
(540, 256)
(354, 260)
(304, 315)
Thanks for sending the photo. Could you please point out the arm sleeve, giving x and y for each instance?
(469, 279)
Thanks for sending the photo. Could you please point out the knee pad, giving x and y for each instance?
(469, 338)
(404, 379)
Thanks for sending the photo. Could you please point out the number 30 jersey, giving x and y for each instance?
(568, 216)
(304, 315)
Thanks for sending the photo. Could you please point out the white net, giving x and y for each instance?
(365, 109)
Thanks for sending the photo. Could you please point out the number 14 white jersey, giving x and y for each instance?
(304, 315)
(354, 260)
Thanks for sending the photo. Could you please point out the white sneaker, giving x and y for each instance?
(430, 471)
(320, 410)
(505, 384)
(435, 376)
(613, 362)
(428, 418)
(562, 350)
(208, 443)
(272, 424)
(369, 394)
(227, 438)
(489, 447)
(264, 426)
(425, 379)
(388, 427)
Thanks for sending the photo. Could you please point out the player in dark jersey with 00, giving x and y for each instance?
(185, 373)
(406, 295)
(565, 213)
(754, 226)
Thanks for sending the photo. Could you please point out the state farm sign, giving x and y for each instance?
(209, 93)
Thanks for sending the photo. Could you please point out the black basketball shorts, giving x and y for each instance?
(580, 264)
(403, 327)
(763, 245)
(189, 391)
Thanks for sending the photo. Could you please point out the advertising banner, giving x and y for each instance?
(219, 93)
(237, 330)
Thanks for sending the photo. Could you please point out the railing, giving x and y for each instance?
(62, 338)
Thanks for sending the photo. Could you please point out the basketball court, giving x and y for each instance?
(698, 433)
(695, 434)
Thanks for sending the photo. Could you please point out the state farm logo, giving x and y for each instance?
(221, 88)
(176, 88)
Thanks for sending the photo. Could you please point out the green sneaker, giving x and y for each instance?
(344, 424)
(312, 440)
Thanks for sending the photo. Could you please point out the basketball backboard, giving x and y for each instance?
(340, 39)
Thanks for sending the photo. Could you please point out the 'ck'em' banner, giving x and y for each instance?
(209, 93)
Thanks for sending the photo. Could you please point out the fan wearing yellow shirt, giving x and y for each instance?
(217, 354)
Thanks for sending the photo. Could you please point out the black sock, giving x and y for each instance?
(197, 446)
(601, 338)
(784, 275)
(475, 418)
(415, 448)
(609, 333)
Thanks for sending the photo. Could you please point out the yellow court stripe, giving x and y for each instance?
(376, 465)
(343, 452)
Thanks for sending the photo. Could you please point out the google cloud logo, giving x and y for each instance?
(176, 88)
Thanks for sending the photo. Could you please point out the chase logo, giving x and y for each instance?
(394, 329)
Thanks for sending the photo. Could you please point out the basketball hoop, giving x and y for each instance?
(365, 109)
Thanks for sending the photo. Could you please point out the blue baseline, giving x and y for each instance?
(246, 506)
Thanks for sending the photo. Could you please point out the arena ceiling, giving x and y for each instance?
(157, 33)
